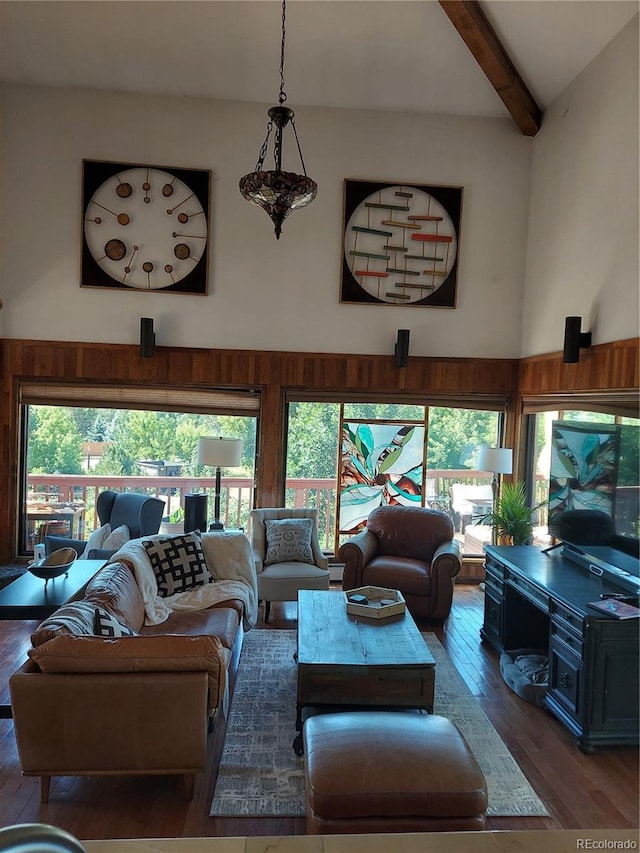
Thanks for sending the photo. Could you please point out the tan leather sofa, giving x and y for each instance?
(407, 548)
(86, 705)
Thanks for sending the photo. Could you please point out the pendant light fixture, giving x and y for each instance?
(276, 191)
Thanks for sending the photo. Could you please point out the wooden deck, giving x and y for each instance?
(580, 791)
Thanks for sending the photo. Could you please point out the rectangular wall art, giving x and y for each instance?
(584, 467)
(145, 227)
(401, 244)
(381, 463)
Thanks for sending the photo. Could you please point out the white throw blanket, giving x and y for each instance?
(230, 561)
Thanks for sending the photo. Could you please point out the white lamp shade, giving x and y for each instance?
(219, 452)
(499, 460)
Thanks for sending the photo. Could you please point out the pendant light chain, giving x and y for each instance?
(263, 150)
(283, 95)
(279, 192)
(295, 133)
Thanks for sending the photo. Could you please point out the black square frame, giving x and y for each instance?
(381, 260)
(198, 181)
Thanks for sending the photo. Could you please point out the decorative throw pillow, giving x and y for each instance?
(75, 617)
(178, 563)
(288, 540)
(116, 539)
(95, 540)
(106, 625)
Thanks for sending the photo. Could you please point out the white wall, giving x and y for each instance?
(263, 293)
(582, 248)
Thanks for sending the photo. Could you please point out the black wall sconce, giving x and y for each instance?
(574, 340)
(147, 337)
(402, 348)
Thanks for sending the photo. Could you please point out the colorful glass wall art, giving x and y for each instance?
(381, 463)
(584, 467)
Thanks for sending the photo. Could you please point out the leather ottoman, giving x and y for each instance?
(390, 771)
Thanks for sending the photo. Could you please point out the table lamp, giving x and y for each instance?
(498, 460)
(219, 453)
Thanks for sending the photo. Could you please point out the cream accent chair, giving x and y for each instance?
(281, 581)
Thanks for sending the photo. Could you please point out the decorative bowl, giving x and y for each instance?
(55, 564)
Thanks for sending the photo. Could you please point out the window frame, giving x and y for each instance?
(624, 403)
(238, 402)
(498, 403)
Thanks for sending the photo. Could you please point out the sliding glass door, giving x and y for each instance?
(347, 457)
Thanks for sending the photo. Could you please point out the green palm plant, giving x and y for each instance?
(511, 517)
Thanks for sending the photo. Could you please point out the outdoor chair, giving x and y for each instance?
(467, 501)
(287, 554)
(141, 514)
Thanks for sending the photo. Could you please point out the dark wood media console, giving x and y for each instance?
(538, 600)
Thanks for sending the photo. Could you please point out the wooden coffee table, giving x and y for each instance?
(346, 660)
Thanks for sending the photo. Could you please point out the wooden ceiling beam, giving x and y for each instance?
(478, 34)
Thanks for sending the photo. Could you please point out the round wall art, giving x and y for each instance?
(145, 227)
(401, 244)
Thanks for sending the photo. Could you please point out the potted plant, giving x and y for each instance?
(511, 517)
(173, 523)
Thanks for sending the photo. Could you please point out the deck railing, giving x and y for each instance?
(236, 497)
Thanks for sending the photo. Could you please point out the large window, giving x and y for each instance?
(347, 457)
(582, 459)
(454, 482)
(70, 453)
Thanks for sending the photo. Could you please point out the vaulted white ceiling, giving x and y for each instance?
(369, 54)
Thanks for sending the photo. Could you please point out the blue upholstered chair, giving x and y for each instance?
(142, 514)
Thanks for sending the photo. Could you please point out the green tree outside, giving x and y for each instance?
(54, 442)
(312, 440)
(455, 435)
(137, 435)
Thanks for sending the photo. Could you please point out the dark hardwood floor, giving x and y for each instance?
(580, 791)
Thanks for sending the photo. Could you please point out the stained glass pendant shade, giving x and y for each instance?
(276, 191)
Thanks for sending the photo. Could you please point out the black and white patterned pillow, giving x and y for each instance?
(178, 563)
(106, 625)
(288, 540)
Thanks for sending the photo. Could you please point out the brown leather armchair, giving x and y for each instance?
(410, 549)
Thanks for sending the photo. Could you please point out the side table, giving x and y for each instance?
(26, 598)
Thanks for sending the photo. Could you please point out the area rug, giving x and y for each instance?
(260, 774)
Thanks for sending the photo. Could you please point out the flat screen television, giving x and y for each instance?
(604, 560)
(588, 538)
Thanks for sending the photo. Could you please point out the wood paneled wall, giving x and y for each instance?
(603, 367)
(274, 373)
